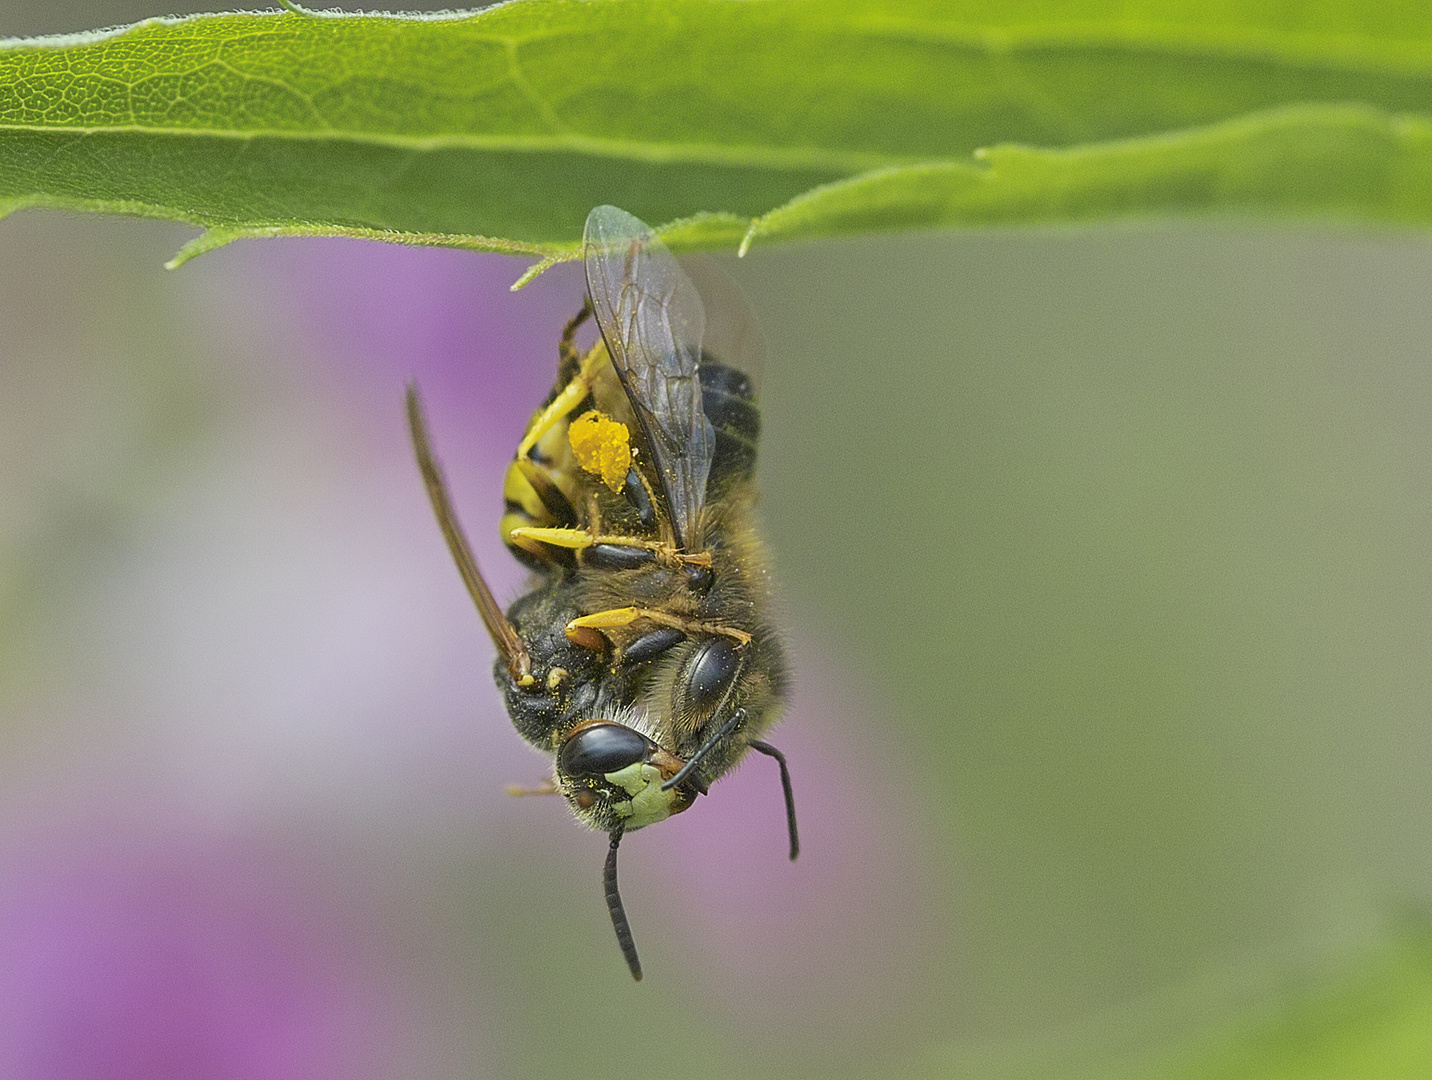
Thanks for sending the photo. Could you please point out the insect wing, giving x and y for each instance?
(651, 318)
(732, 335)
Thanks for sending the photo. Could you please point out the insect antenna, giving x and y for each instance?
(705, 748)
(711, 740)
(503, 635)
(770, 751)
(618, 913)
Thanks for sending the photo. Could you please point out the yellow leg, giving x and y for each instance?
(525, 536)
(545, 788)
(579, 630)
(562, 405)
(576, 539)
(536, 488)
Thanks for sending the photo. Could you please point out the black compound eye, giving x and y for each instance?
(712, 669)
(599, 749)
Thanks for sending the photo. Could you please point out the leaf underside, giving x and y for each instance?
(736, 123)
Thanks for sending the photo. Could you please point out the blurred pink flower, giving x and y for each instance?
(158, 957)
(378, 313)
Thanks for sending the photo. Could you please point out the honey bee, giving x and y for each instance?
(643, 658)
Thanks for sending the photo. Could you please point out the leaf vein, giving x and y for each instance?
(1347, 54)
(775, 158)
(543, 107)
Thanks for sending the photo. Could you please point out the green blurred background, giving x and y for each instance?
(1108, 557)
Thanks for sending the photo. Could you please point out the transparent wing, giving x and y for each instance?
(652, 321)
(732, 335)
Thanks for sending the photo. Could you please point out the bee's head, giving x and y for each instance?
(611, 773)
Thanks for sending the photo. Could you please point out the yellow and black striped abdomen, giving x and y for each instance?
(541, 490)
(729, 400)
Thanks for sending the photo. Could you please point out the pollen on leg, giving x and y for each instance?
(602, 446)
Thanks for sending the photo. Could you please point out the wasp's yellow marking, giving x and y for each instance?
(615, 618)
(567, 538)
(532, 538)
(610, 619)
(601, 445)
(518, 490)
(649, 804)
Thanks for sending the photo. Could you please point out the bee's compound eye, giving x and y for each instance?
(598, 749)
(711, 671)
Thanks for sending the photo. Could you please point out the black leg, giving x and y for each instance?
(618, 913)
(568, 345)
(771, 751)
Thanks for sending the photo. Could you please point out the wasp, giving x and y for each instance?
(642, 658)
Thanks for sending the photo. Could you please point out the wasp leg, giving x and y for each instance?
(652, 644)
(579, 629)
(641, 498)
(529, 537)
(537, 495)
(544, 788)
(567, 347)
(567, 399)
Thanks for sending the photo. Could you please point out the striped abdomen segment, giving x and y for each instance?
(539, 491)
(728, 398)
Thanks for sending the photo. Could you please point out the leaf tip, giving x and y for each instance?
(533, 272)
(566, 253)
(206, 241)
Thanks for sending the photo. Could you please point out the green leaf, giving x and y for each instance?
(1304, 160)
(1369, 1018)
(1374, 1022)
(772, 120)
